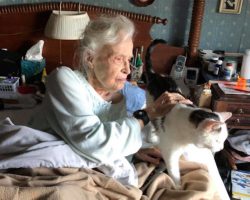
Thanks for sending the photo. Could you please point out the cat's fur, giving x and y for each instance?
(157, 83)
(185, 126)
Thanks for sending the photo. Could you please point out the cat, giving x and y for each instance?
(184, 127)
(157, 83)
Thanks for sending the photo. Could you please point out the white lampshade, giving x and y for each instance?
(66, 25)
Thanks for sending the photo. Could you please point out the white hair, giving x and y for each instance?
(105, 30)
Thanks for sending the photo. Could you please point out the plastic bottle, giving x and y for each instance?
(245, 68)
(23, 79)
(139, 61)
(234, 63)
(217, 67)
(137, 69)
(228, 71)
(44, 75)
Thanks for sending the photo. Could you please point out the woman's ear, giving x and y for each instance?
(90, 59)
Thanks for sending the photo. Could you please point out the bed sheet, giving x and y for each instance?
(18, 116)
(75, 183)
(82, 183)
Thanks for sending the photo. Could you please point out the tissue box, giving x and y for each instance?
(31, 68)
(8, 87)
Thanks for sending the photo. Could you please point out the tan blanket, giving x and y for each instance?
(81, 184)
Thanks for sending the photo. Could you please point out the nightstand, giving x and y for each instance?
(239, 105)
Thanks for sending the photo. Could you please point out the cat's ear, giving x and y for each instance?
(225, 115)
(211, 125)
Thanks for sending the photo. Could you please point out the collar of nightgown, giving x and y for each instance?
(105, 110)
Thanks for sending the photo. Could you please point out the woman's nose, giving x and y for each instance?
(126, 67)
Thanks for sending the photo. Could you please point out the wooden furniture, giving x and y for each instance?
(23, 25)
(163, 56)
(239, 105)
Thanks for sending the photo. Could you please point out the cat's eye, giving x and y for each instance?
(219, 129)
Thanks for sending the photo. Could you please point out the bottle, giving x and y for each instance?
(137, 69)
(212, 63)
(234, 63)
(44, 75)
(228, 71)
(23, 79)
(245, 68)
(138, 61)
(217, 67)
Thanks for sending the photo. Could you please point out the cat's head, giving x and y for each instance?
(207, 129)
(160, 84)
(211, 127)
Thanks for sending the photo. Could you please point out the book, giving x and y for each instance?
(240, 184)
(232, 87)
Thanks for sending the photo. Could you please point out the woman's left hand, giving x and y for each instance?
(163, 104)
(152, 155)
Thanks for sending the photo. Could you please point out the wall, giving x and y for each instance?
(230, 32)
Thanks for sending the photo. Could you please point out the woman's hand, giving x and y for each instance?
(152, 155)
(164, 104)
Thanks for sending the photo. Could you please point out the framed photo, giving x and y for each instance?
(230, 6)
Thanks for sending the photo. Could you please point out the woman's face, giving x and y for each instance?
(111, 66)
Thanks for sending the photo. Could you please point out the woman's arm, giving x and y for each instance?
(71, 116)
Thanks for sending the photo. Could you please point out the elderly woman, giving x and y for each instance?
(86, 108)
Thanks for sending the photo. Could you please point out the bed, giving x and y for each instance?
(26, 28)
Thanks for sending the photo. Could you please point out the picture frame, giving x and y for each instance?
(230, 6)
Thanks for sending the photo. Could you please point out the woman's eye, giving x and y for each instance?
(118, 59)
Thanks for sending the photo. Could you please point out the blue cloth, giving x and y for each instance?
(135, 97)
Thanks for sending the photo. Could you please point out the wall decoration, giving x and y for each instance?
(141, 3)
(230, 6)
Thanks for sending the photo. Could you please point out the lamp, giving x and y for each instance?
(66, 25)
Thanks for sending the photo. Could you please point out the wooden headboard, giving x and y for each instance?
(23, 25)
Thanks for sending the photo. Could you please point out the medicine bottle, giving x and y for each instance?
(234, 63)
(212, 63)
(217, 67)
(228, 71)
